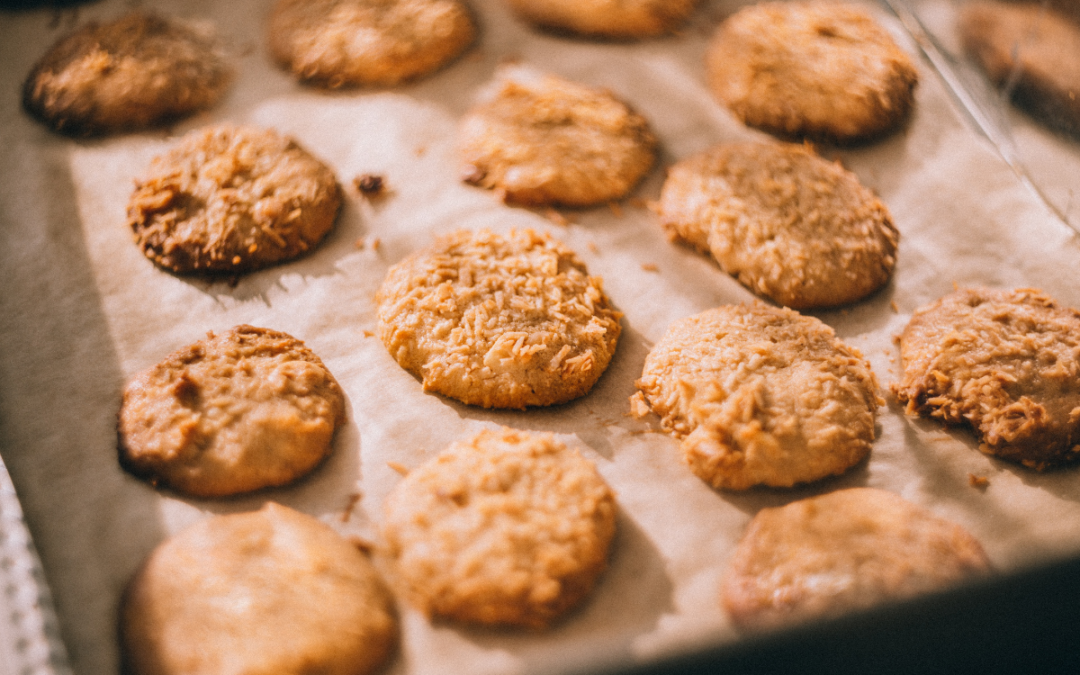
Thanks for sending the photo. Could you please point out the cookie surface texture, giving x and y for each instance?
(271, 591)
(499, 321)
(1004, 362)
(760, 395)
(337, 43)
(138, 71)
(616, 19)
(509, 528)
(247, 409)
(819, 70)
(230, 200)
(786, 223)
(839, 552)
(539, 139)
(1031, 49)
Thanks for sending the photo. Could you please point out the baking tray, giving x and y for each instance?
(83, 312)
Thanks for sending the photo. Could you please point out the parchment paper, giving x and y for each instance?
(83, 311)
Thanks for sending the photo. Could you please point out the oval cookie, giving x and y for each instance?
(274, 591)
(135, 72)
(786, 223)
(839, 552)
(618, 19)
(539, 139)
(335, 43)
(1031, 49)
(499, 321)
(509, 528)
(229, 200)
(1004, 362)
(820, 70)
(760, 395)
(248, 409)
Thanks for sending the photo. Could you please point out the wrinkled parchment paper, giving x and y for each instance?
(83, 311)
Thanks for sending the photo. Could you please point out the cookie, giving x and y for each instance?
(786, 223)
(840, 552)
(819, 70)
(248, 409)
(508, 528)
(1003, 362)
(542, 140)
(271, 591)
(760, 395)
(1033, 52)
(499, 321)
(136, 72)
(616, 19)
(339, 43)
(229, 200)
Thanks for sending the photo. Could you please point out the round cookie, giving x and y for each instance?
(786, 223)
(760, 395)
(499, 321)
(540, 139)
(336, 43)
(236, 412)
(1004, 362)
(135, 72)
(617, 19)
(229, 200)
(1032, 50)
(272, 591)
(818, 70)
(839, 552)
(508, 528)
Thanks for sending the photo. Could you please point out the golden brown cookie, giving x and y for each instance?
(228, 200)
(336, 43)
(760, 395)
(786, 223)
(618, 19)
(839, 552)
(135, 72)
(236, 412)
(509, 528)
(499, 321)
(1032, 50)
(1004, 362)
(540, 139)
(273, 591)
(815, 69)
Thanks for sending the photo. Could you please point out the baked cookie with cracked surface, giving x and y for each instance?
(759, 395)
(789, 225)
(236, 412)
(338, 43)
(614, 19)
(1005, 363)
(821, 70)
(270, 591)
(499, 321)
(135, 72)
(846, 550)
(509, 528)
(1032, 50)
(229, 200)
(541, 140)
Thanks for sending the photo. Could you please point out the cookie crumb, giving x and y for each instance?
(354, 499)
(650, 267)
(593, 248)
(368, 334)
(375, 244)
(370, 185)
(979, 482)
(400, 468)
(360, 244)
(893, 307)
